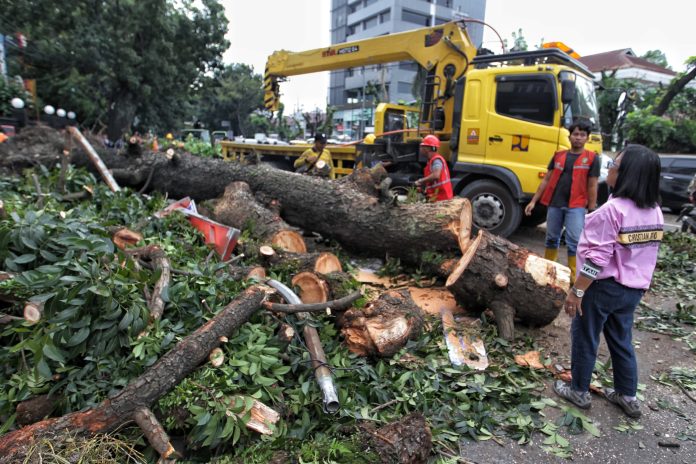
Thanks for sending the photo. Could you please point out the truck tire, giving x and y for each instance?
(494, 207)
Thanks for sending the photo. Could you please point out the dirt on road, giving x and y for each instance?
(666, 433)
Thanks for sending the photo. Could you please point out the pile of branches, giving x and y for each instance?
(98, 333)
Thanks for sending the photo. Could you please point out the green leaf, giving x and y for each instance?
(204, 419)
(43, 369)
(24, 259)
(51, 352)
(590, 427)
(79, 337)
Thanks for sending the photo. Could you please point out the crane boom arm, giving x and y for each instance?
(434, 48)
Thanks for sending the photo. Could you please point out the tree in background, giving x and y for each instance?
(231, 94)
(657, 57)
(666, 118)
(113, 61)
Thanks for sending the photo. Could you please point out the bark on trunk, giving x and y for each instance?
(674, 88)
(239, 208)
(142, 392)
(407, 441)
(334, 209)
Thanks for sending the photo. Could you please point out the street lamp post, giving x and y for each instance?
(18, 112)
(49, 117)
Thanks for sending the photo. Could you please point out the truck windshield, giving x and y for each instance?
(584, 103)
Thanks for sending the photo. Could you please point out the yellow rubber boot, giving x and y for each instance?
(571, 265)
(551, 254)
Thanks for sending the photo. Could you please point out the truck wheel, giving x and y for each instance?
(494, 207)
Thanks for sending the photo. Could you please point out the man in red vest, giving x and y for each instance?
(436, 176)
(568, 189)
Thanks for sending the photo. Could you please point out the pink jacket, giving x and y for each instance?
(621, 241)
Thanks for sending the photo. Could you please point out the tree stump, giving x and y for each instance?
(407, 441)
(510, 280)
(384, 326)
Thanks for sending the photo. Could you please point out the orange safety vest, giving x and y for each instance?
(578, 186)
(3, 137)
(442, 189)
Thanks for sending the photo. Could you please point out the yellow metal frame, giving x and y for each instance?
(343, 156)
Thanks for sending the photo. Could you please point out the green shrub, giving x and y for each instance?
(647, 129)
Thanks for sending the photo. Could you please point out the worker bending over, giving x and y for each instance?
(316, 161)
(436, 175)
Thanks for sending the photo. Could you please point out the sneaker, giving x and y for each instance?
(565, 391)
(631, 408)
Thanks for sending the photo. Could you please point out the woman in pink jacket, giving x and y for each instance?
(617, 253)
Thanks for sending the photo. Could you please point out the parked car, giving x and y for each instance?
(677, 172)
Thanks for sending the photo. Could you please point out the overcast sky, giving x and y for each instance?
(259, 27)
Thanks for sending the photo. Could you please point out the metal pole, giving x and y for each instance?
(362, 108)
(316, 352)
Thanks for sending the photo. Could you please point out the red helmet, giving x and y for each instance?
(431, 141)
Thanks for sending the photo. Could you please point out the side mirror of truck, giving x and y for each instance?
(567, 91)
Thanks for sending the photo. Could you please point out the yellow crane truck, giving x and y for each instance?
(500, 117)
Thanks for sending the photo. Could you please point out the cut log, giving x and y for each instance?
(512, 281)
(384, 326)
(257, 273)
(286, 333)
(313, 289)
(261, 417)
(124, 238)
(355, 219)
(407, 441)
(159, 260)
(35, 409)
(33, 312)
(321, 263)
(155, 433)
(143, 391)
(239, 208)
(216, 357)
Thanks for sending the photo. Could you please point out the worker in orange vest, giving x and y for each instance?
(569, 191)
(3, 137)
(436, 175)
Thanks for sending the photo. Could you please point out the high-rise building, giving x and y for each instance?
(360, 19)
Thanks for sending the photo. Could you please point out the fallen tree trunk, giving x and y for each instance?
(142, 392)
(513, 282)
(238, 208)
(334, 209)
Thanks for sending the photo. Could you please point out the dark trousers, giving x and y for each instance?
(607, 307)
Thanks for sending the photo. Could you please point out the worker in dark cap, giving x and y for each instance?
(316, 161)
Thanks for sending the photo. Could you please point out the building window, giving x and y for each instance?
(416, 18)
(369, 23)
(408, 65)
(352, 29)
(384, 16)
(369, 2)
(527, 98)
(440, 20)
(353, 7)
(404, 87)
